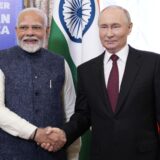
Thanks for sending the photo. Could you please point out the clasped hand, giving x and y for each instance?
(51, 139)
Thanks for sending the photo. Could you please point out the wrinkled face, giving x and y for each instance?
(31, 32)
(114, 28)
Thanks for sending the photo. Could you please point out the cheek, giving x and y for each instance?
(121, 33)
(102, 35)
(40, 35)
(122, 37)
(20, 35)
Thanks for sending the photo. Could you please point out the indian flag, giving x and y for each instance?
(74, 34)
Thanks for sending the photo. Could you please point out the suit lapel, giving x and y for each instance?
(131, 70)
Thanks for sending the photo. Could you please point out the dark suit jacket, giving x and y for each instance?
(131, 132)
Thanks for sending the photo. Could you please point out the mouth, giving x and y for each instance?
(30, 41)
(110, 42)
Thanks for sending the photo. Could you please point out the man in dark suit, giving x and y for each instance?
(124, 124)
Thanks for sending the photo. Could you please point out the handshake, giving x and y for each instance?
(51, 139)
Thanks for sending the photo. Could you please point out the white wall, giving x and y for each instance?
(145, 15)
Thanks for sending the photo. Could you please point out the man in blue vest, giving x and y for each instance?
(38, 90)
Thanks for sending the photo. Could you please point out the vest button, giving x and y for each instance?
(36, 93)
(36, 110)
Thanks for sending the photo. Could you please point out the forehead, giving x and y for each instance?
(30, 18)
(110, 15)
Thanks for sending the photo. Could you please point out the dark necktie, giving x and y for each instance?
(113, 83)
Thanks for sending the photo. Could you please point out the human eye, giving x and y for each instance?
(23, 28)
(103, 26)
(116, 26)
(36, 27)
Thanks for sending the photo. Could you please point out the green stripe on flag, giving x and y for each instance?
(85, 149)
(57, 43)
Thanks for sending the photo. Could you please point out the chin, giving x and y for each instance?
(30, 48)
(110, 49)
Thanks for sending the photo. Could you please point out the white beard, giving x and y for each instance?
(31, 48)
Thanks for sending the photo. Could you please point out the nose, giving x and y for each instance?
(29, 31)
(109, 32)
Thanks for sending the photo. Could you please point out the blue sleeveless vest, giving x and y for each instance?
(33, 90)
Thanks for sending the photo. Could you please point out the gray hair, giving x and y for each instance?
(36, 10)
(121, 8)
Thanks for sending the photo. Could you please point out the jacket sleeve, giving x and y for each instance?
(80, 120)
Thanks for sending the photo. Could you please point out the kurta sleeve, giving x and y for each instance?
(10, 122)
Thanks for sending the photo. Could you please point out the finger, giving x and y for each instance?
(56, 148)
(45, 146)
(56, 130)
(50, 149)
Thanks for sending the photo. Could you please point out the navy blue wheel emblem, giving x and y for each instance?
(76, 17)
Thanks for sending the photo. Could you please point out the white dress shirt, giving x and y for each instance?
(121, 62)
(15, 125)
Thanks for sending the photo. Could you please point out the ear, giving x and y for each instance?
(47, 31)
(16, 30)
(130, 27)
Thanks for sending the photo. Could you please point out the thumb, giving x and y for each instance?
(49, 130)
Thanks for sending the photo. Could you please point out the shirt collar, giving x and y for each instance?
(122, 54)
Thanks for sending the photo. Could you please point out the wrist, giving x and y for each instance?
(33, 135)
